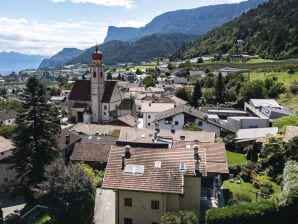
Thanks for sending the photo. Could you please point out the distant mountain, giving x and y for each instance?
(196, 21)
(144, 49)
(271, 30)
(60, 58)
(13, 61)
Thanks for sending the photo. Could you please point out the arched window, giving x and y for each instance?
(101, 74)
(94, 74)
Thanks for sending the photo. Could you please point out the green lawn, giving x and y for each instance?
(289, 100)
(43, 219)
(259, 60)
(235, 158)
(283, 77)
(245, 188)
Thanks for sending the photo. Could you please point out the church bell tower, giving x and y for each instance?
(97, 85)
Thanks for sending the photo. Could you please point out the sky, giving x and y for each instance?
(45, 27)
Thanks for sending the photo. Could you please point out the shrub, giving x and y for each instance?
(185, 217)
(237, 198)
(244, 213)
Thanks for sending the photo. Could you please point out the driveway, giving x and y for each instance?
(104, 211)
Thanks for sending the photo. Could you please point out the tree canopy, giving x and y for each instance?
(180, 217)
(34, 137)
(68, 191)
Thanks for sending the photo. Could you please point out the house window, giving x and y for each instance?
(105, 107)
(5, 179)
(127, 221)
(154, 204)
(149, 124)
(149, 116)
(200, 123)
(94, 74)
(101, 74)
(6, 168)
(104, 113)
(128, 202)
(169, 120)
(176, 123)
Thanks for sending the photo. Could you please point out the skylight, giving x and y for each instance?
(182, 167)
(157, 164)
(134, 169)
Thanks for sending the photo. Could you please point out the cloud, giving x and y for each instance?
(128, 4)
(132, 23)
(32, 37)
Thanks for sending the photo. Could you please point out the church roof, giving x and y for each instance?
(81, 91)
(109, 88)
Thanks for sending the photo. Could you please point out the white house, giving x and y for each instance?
(150, 111)
(177, 117)
(8, 117)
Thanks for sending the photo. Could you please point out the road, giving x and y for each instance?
(104, 211)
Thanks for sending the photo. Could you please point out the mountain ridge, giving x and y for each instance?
(196, 21)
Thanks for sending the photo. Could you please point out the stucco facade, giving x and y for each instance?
(141, 210)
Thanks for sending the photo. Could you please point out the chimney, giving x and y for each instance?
(127, 151)
(67, 139)
(155, 136)
(196, 152)
(197, 169)
(122, 162)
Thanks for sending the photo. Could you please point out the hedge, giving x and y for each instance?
(244, 213)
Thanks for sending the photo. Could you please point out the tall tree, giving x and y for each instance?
(35, 137)
(196, 95)
(219, 88)
(183, 93)
(149, 81)
(69, 191)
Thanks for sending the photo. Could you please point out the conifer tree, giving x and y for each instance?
(196, 95)
(219, 88)
(35, 137)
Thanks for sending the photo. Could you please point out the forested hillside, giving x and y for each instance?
(144, 49)
(271, 31)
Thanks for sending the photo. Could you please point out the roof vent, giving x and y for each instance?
(182, 167)
(157, 164)
(127, 151)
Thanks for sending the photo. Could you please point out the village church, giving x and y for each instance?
(95, 100)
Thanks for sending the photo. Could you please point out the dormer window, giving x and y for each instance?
(94, 74)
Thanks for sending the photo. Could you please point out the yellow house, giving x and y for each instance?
(150, 181)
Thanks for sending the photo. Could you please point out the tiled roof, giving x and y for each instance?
(61, 139)
(291, 132)
(8, 114)
(81, 91)
(156, 107)
(91, 152)
(109, 88)
(6, 144)
(128, 119)
(168, 178)
(126, 104)
(132, 134)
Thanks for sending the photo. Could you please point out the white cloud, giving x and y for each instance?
(129, 4)
(32, 37)
(132, 23)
